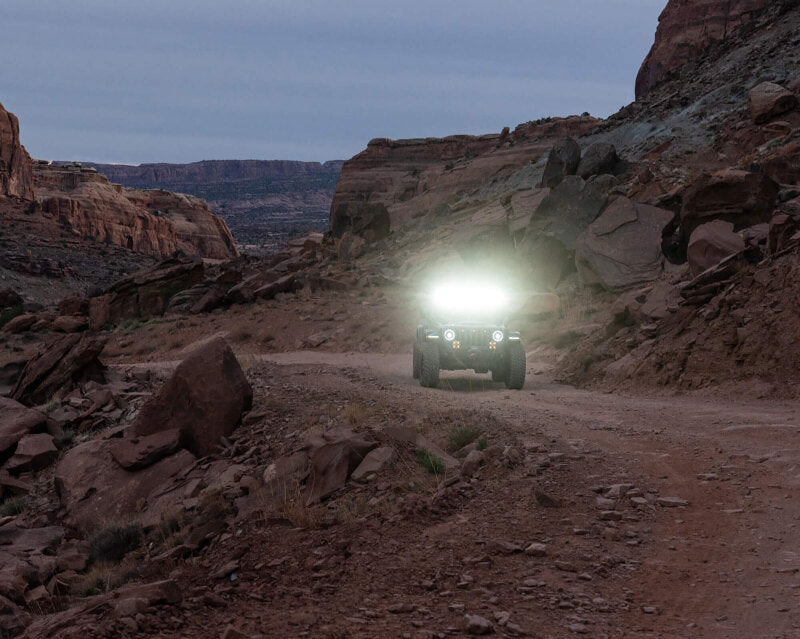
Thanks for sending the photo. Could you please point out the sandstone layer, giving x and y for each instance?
(16, 177)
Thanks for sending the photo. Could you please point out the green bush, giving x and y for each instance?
(429, 461)
(111, 542)
(462, 436)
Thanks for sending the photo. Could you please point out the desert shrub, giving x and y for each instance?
(7, 314)
(242, 334)
(354, 413)
(462, 436)
(101, 578)
(429, 461)
(482, 444)
(12, 506)
(113, 540)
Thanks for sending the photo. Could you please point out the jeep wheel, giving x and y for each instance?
(417, 358)
(499, 374)
(429, 374)
(516, 367)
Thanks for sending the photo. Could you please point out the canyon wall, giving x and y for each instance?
(16, 177)
(687, 28)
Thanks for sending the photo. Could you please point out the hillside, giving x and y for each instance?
(263, 202)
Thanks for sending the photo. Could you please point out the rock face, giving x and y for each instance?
(686, 28)
(16, 173)
(711, 243)
(622, 248)
(204, 399)
(769, 100)
(412, 177)
(152, 222)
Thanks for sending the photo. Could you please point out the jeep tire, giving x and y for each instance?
(515, 378)
(499, 373)
(429, 373)
(417, 358)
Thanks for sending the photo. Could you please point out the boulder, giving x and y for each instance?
(710, 243)
(11, 486)
(284, 476)
(375, 462)
(73, 306)
(93, 487)
(736, 196)
(350, 246)
(33, 452)
(782, 228)
(17, 421)
(769, 100)
(567, 211)
(286, 284)
(661, 301)
(600, 158)
(21, 323)
(204, 398)
(70, 324)
(332, 458)
(59, 367)
(523, 206)
(563, 160)
(622, 248)
(141, 452)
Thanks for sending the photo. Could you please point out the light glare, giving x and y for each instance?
(469, 298)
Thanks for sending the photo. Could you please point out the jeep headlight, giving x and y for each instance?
(449, 334)
(497, 336)
(469, 298)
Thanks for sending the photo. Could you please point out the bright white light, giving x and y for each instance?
(469, 298)
(497, 336)
(449, 334)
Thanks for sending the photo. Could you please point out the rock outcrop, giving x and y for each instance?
(157, 223)
(417, 176)
(769, 100)
(711, 243)
(16, 173)
(687, 29)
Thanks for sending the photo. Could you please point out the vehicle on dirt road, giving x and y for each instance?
(464, 329)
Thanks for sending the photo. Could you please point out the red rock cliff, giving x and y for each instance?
(151, 222)
(16, 176)
(410, 177)
(686, 28)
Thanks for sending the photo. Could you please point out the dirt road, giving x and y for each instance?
(725, 565)
(602, 485)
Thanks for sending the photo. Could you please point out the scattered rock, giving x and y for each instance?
(332, 458)
(477, 625)
(536, 550)
(710, 243)
(671, 502)
(563, 160)
(141, 452)
(17, 421)
(34, 452)
(375, 461)
(600, 158)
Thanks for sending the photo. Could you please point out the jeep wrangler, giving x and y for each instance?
(463, 331)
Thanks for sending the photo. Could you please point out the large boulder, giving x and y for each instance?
(567, 211)
(736, 196)
(622, 248)
(710, 244)
(94, 488)
(769, 100)
(58, 368)
(145, 293)
(563, 160)
(599, 159)
(204, 398)
(17, 421)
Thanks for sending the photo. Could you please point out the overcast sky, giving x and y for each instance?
(185, 80)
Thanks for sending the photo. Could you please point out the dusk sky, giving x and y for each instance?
(188, 80)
